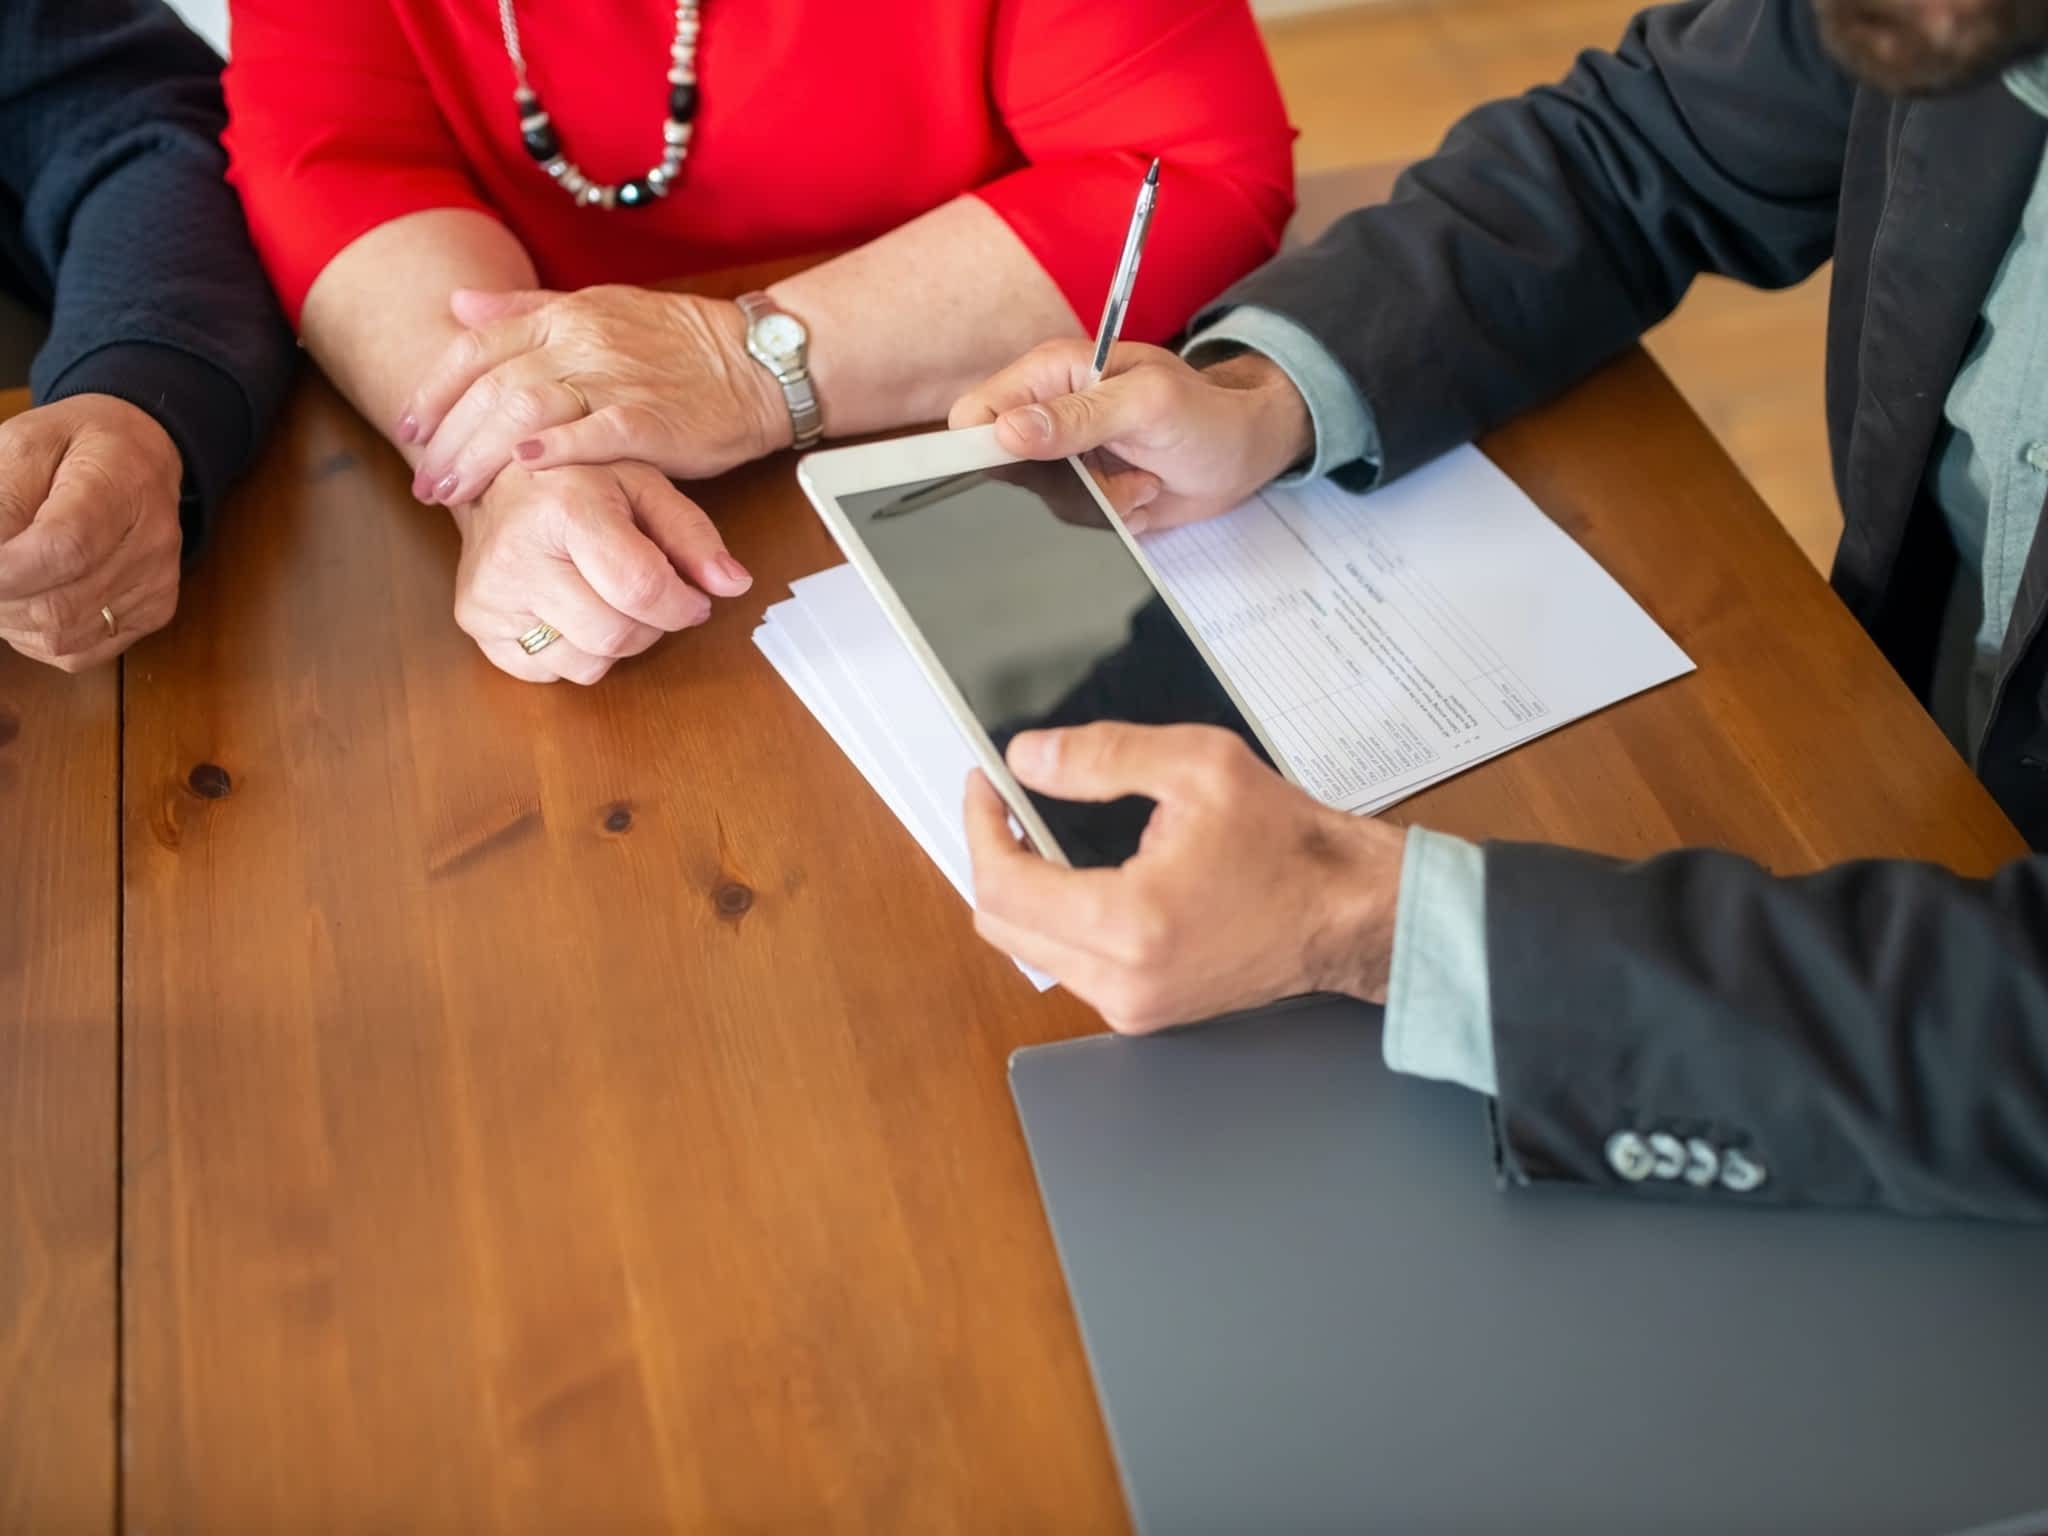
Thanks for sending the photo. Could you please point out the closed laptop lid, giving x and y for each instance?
(1308, 1306)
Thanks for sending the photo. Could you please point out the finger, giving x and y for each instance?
(462, 362)
(72, 621)
(74, 532)
(510, 657)
(1078, 971)
(1132, 492)
(602, 437)
(1013, 884)
(1131, 405)
(1044, 373)
(564, 599)
(77, 661)
(572, 664)
(629, 571)
(32, 447)
(685, 534)
(475, 439)
(477, 307)
(142, 598)
(1109, 760)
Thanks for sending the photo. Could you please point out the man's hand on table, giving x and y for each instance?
(1182, 444)
(1244, 889)
(89, 526)
(613, 556)
(592, 377)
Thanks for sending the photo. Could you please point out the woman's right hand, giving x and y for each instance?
(613, 556)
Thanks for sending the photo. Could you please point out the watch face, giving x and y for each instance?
(780, 335)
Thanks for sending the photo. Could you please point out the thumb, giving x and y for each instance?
(476, 307)
(686, 534)
(1109, 759)
(29, 458)
(1118, 408)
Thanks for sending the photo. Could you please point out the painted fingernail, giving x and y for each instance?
(408, 427)
(445, 491)
(530, 449)
(1033, 423)
(733, 573)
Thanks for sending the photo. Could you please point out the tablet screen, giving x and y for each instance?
(1041, 616)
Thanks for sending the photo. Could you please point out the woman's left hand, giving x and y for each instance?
(592, 377)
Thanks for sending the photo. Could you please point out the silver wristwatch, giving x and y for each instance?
(777, 340)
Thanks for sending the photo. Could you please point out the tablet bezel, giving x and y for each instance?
(837, 472)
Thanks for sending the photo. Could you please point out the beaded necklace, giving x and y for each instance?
(537, 129)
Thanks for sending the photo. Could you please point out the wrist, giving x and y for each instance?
(1351, 948)
(149, 439)
(764, 411)
(1281, 430)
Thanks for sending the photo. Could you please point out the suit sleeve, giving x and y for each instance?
(1550, 231)
(111, 114)
(1875, 1035)
(1091, 91)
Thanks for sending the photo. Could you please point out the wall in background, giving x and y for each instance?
(210, 17)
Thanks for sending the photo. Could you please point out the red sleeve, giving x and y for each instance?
(1091, 90)
(332, 131)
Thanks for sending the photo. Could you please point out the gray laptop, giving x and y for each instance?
(1309, 1308)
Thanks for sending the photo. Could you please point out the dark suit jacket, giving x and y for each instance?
(114, 217)
(1877, 1034)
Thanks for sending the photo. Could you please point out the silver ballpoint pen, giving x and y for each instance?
(1126, 274)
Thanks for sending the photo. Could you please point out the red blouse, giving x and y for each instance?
(819, 126)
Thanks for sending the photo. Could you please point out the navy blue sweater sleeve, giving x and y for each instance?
(115, 214)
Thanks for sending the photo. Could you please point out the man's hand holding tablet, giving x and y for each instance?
(1243, 890)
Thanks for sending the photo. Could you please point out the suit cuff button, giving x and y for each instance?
(1630, 1156)
(1739, 1175)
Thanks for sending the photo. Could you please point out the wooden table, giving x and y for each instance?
(59, 1070)
(549, 1108)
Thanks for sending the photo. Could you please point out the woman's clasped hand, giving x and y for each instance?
(552, 426)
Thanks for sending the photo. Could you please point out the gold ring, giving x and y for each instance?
(539, 638)
(580, 398)
(113, 624)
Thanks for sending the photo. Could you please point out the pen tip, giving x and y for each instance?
(1152, 176)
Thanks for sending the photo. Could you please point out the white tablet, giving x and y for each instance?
(1028, 604)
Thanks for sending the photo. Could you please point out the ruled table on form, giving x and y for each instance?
(1386, 641)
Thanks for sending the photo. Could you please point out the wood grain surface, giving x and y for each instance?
(59, 1058)
(552, 1108)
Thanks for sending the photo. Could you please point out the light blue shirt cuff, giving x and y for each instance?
(1439, 1011)
(1345, 429)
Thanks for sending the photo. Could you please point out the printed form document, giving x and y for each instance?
(1383, 642)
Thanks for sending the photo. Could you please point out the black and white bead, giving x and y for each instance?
(537, 130)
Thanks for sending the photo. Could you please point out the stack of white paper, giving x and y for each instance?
(1383, 642)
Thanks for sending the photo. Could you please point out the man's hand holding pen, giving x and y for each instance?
(1186, 444)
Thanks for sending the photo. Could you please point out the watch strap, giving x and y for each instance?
(807, 421)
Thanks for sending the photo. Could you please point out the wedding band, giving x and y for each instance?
(539, 638)
(577, 394)
(113, 624)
